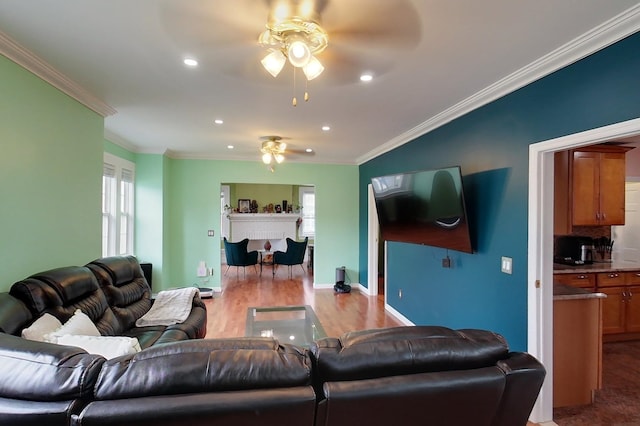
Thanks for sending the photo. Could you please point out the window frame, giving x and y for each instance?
(306, 213)
(121, 212)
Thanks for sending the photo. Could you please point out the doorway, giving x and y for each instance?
(540, 246)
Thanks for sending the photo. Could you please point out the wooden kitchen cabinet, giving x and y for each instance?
(613, 310)
(632, 279)
(621, 308)
(577, 350)
(586, 281)
(589, 187)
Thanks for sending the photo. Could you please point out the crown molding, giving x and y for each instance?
(37, 66)
(598, 38)
(120, 141)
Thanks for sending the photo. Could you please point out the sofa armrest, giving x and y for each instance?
(524, 378)
(38, 371)
(14, 315)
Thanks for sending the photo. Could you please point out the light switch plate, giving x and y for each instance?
(507, 264)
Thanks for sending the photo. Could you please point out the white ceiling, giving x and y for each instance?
(431, 60)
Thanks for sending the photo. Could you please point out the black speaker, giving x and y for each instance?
(146, 271)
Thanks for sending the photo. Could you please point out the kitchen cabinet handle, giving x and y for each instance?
(582, 277)
(630, 294)
(613, 275)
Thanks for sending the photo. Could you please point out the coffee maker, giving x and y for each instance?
(574, 250)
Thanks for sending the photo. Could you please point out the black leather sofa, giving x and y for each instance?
(113, 292)
(423, 375)
(403, 375)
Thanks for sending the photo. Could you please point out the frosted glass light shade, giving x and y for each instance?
(313, 69)
(299, 53)
(274, 62)
(266, 158)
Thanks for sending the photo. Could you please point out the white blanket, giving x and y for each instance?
(170, 307)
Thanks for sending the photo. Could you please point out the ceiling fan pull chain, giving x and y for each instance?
(306, 91)
(294, 102)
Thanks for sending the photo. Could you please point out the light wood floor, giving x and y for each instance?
(338, 313)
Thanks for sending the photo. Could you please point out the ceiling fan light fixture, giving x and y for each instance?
(294, 33)
(299, 53)
(274, 62)
(279, 158)
(266, 158)
(313, 69)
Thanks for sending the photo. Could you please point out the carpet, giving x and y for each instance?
(618, 402)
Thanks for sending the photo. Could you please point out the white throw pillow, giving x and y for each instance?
(41, 327)
(78, 324)
(107, 346)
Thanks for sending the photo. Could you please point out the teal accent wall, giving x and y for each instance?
(50, 177)
(491, 146)
(190, 206)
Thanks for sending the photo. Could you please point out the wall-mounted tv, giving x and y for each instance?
(424, 207)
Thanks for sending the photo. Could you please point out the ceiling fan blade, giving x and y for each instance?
(194, 24)
(379, 23)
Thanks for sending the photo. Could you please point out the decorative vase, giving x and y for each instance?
(267, 245)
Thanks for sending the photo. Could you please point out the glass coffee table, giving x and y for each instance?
(298, 325)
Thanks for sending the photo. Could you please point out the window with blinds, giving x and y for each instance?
(307, 196)
(118, 179)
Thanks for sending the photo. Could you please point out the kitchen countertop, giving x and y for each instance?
(595, 267)
(567, 292)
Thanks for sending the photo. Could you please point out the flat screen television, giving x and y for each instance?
(423, 207)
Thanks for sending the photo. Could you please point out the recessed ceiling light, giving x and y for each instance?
(190, 62)
(218, 121)
(326, 128)
(308, 150)
(230, 146)
(366, 77)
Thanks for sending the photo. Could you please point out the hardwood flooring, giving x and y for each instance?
(338, 313)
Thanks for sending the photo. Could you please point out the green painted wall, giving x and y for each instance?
(118, 151)
(263, 194)
(192, 196)
(150, 198)
(50, 177)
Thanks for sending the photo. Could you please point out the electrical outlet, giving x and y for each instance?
(211, 233)
(446, 262)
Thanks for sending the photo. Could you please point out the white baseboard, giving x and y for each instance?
(404, 320)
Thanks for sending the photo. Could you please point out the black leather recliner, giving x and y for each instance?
(423, 375)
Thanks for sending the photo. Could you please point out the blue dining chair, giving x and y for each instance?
(293, 256)
(237, 255)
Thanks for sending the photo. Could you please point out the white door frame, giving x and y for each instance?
(373, 232)
(540, 247)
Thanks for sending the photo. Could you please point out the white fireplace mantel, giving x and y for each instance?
(263, 226)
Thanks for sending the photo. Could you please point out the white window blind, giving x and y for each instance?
(307, 198)
(118, 180)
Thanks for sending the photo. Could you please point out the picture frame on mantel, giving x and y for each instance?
(244, 205)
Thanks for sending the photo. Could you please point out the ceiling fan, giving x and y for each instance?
(273, 150)
(362, 35)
